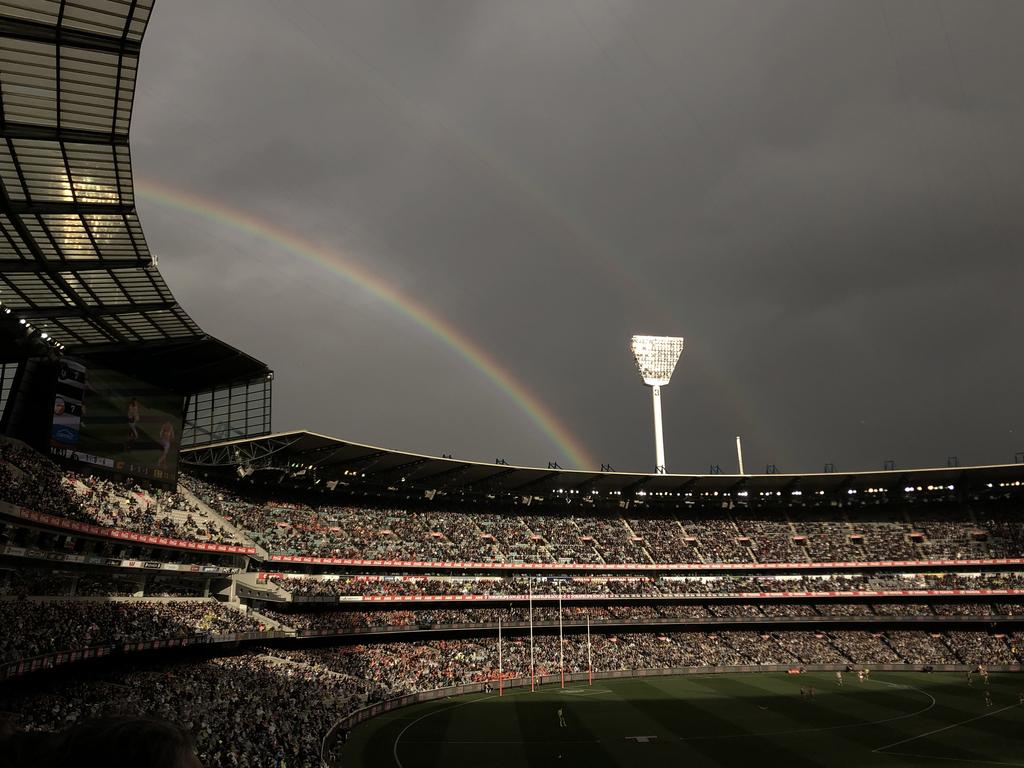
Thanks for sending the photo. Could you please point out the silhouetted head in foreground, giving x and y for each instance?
(110, 742)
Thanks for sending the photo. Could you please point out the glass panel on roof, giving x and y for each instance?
(94, 173)
(83, 328)
(103, 18)
(43, 172)
(39, 290)
(43, 11)
(28, 81)
(9, 174)
(99, 284)
(11, 244)
(109, 17)
(96, 87)
(65, 235)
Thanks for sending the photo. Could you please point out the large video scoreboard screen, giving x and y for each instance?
(107, 419)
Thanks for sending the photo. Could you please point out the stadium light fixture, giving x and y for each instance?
(656, 358)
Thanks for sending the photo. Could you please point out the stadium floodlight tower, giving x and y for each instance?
(656, 358)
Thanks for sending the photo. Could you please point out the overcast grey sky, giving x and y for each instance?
(823, 197)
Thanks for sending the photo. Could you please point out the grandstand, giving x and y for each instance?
(277, 594)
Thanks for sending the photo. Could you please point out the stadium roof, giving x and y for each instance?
(309, 457)
(73, 258)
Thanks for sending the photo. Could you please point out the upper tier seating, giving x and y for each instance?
(780, 535)
(31, 480)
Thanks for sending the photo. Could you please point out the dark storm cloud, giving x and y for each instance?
(821, 196)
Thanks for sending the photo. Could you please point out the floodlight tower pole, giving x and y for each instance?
(659, 433)
(656, 358)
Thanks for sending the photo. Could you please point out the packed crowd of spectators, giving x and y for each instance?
(31, 480)
(719, 536)
(644, 586)
(272, 708)
(20, 582)
(130, 508)
(36, 627)
(546, 614)
(355, 619)
(401, 667)
(41, 582)
(249, 711)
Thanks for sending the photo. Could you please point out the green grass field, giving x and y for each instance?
(895, 719)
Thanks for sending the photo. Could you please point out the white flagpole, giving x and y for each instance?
(501, 677)
(561, 643)
(533, 675)
(590, 663)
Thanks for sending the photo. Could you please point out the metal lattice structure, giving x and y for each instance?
(73, 258)
(74, 263)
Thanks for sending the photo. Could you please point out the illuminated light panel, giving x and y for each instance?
(656, 357)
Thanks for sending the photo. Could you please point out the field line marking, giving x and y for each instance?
(956, 759)
(394, 748)
(485, 697)
(945, 728)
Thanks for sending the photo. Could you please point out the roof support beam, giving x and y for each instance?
(687, 485)
(399, 470)
(364, 462)
(78, 265)
(97, 311)
(488, 482)
(442, 476)
(588, 483)
(38, 32)
(540, 480)
(70, 135)
(69, 208)
(140, 349)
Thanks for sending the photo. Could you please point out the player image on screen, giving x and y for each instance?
(121, 423)
(67, 404)
(133, 419)
(166, 438)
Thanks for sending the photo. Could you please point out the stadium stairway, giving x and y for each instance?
(210, 513)
(268, 622)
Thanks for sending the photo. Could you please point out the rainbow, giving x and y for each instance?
(359, 276)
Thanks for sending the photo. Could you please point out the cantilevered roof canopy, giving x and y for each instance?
(73, 259)
(304, 458)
